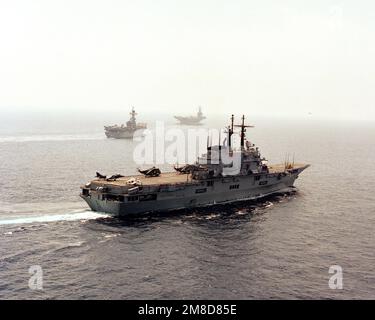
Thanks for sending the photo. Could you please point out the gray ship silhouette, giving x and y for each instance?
(124, 132)
(204, 183)
(192, 120)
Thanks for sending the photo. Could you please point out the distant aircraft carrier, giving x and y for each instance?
(206, 182)
(192, 120)
(124, 132)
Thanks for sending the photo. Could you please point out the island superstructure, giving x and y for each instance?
(125, 132)
(209, 181)
(192, 120)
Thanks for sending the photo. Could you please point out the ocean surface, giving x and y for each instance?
(279, 248)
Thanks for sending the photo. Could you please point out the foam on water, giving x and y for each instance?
(53, 137)
(82, 215)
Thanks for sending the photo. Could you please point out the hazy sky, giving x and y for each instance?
(259, 57)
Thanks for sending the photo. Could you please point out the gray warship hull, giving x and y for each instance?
(191, 194)
(120, 134)
(190, 121)
(125, 132)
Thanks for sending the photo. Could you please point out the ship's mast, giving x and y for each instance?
(133, 114)
(208, 149)
(199, 114)
(243, 130)
(230, 131)
(220, 146)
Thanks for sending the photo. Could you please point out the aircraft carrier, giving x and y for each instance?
(209, 181)
(192, 120)
(125, 132)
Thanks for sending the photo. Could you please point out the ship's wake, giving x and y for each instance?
(71, 216)
(244, 208)
(51, 137)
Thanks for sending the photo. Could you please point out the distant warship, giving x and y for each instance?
(124, 132)
(204, 183)
(192, 120)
